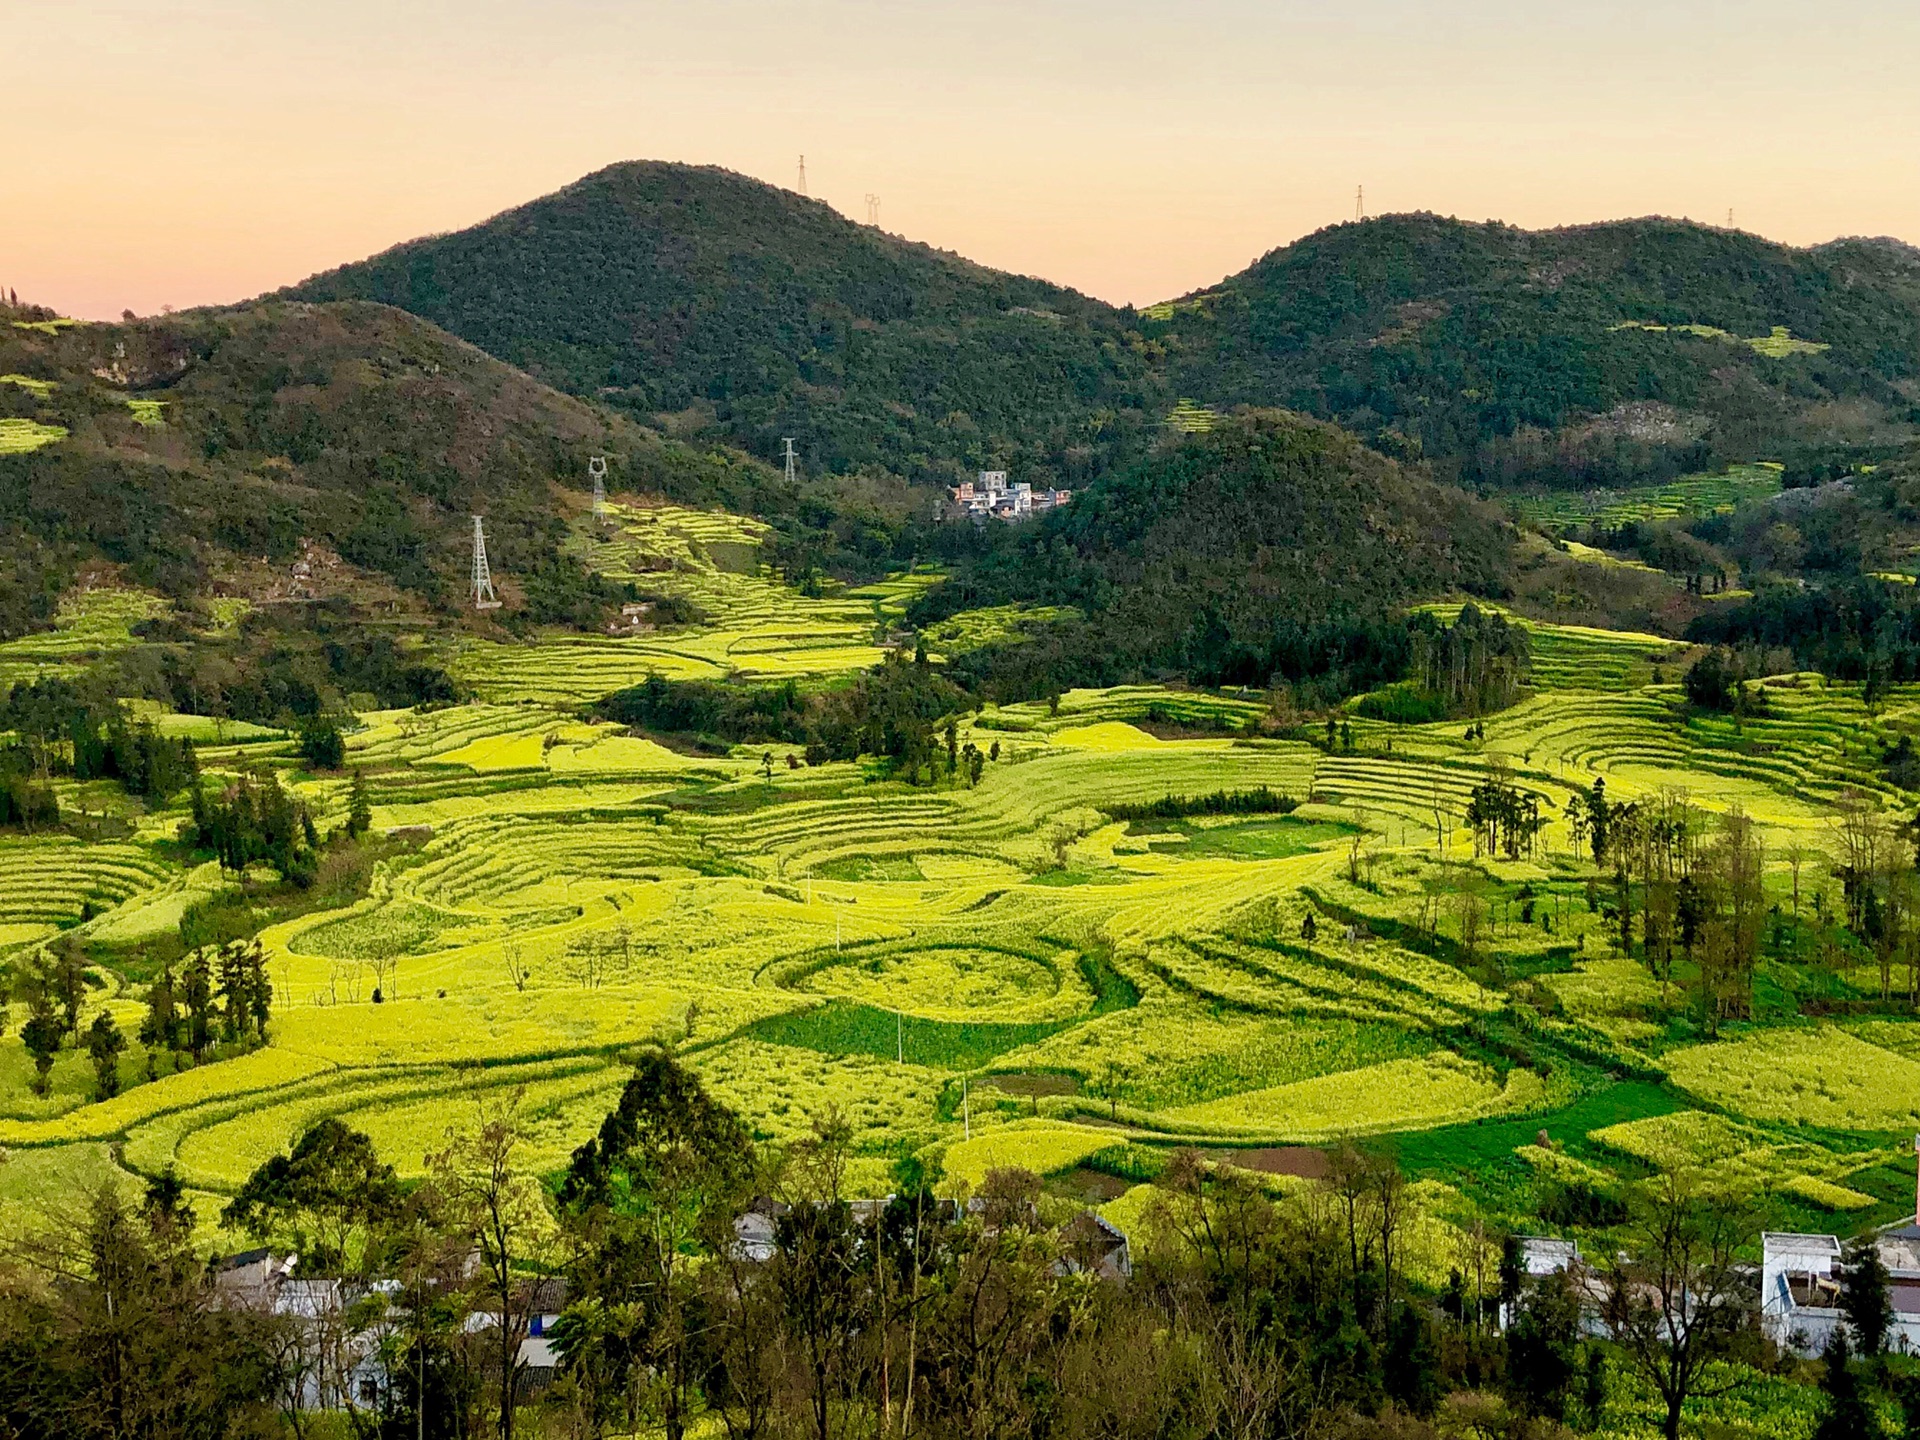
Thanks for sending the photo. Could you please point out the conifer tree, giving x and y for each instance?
(104, 1044)
(160, 1027)
(198, 995)
(359, 807)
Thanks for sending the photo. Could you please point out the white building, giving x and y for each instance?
(991, 496)
(1800, 1279)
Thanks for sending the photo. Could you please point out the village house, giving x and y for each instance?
(1800, 1279)
(991, 496)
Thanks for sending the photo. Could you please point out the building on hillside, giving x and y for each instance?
(1091, 1244)
(992, 497)
(335, 1363)
(1801, 1277)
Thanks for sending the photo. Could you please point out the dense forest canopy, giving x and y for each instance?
(1219, 556)
(1596, 354)
(753, 313)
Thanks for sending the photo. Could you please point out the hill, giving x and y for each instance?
(1599, 354)
(1216, 554)
(218, 450)
(750, 313)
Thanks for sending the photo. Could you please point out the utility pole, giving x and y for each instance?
(483, 596)
(803, 174)
(597, 468)
(793, 461)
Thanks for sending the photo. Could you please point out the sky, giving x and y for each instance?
(175, 154)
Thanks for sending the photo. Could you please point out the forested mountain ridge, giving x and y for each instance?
(207, 448)
(1216, 555)
(1511, 356)
(752, 313)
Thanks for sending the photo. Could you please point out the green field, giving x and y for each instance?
(828, 937)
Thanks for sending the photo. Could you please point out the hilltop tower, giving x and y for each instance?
(483, 596)
(793, 461)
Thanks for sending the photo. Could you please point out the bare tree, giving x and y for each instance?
(1674, 1301)
(514, 954)
(481, 1192)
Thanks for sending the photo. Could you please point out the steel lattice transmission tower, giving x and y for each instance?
(803, 174)
(597, 468)
(1359, 202)
(873, 211)
(483, 596)
(793, 461)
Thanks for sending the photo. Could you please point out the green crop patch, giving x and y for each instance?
(843, 1028)
(1273, 839)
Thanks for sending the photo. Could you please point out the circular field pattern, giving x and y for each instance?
(954, 983)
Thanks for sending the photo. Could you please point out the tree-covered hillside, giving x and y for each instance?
(1596, 354)
(752, 313)
(215, 449)
(1216, 555)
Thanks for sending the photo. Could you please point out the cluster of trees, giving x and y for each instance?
(255, 819)
(1862, 629)
(710, 1284)
(219, 994)
(51, 985)
(1260, 800)
(1271, 547)
(1718, 681)
(65, 731)
(1503, 817)
(1478, 664)
(1698, 887)
(27, 801)
(895, 710)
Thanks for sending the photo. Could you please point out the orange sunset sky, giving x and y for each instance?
(186, 153)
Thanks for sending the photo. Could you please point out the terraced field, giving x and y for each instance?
(990, 974)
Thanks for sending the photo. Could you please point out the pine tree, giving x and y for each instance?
(104, 1044)
(259, 991)
(1865, 1298)
(359, 807)
(160, 1028)
(1848, 1415)
(198, 995)
(235, 989)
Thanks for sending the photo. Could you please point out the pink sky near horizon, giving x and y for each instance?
(203, 151)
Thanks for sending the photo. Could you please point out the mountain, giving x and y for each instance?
(214, 450)
(1599, 354)
(734, 309)
(1223, 554)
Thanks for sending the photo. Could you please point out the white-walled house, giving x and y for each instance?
(1800, 1279)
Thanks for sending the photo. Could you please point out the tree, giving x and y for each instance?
(1543, 1346)
(1848, 1415)
(321, 744)
(197, 993)
(658, 1186)
(104, 1044)
(42, 1035)
(70, 980)
(1674, 1298)
(359, 806)
(479, 1190)
(316, 1196)
(1865, 1297)
(160, 1026)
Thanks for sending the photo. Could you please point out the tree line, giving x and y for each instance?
(689, 1281)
